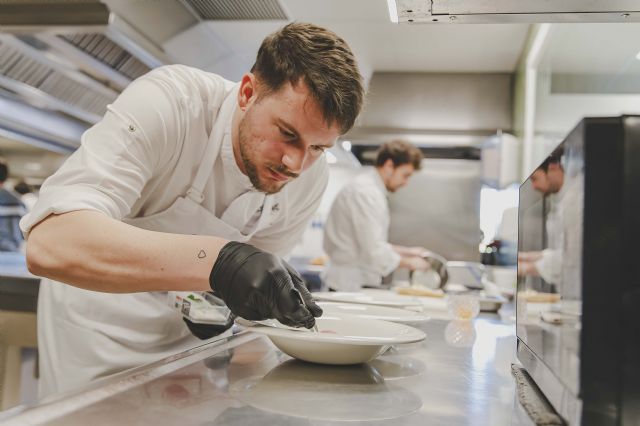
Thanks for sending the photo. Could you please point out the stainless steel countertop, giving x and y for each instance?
(460, 375)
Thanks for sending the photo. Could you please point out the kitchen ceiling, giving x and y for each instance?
(594, 49)
(228, 44)
(379, 44)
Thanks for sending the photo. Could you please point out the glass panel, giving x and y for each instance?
(586, 70)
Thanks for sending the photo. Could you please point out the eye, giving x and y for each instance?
(287, 134)
(317, 148)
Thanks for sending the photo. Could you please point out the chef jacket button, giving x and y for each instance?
(132, 128)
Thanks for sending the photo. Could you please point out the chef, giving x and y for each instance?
(357, 228)
(188, 183)
(549, 180)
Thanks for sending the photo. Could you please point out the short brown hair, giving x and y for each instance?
(323, 60)
(400, 152)
(554, 158)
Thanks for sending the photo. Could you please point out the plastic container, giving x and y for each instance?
(199, 307)
(463, 306)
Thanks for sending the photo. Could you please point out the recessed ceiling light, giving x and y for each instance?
(346, 145)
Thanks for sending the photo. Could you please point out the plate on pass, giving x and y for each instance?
(363, 311)
(341, 340)
(369, 297)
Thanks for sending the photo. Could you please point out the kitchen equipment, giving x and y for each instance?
(341, 340)
(577, 304)
(468, 274)
(490, 303)
(199, 307)
(434, 277)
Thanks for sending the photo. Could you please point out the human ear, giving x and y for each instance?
(247, 93)
(389, 167)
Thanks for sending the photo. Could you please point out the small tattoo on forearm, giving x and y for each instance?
(202, 254)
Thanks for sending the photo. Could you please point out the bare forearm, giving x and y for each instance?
(408, 251)
(90, 250)
(413, 262)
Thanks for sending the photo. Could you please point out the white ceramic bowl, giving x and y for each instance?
(341, 340)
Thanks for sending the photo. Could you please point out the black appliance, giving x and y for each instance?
(579, 243)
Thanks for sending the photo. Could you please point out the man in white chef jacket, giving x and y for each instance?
(357, 228)
(548, 179)
(189, 183)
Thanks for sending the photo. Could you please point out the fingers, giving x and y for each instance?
(299, 284)
(295, 275)
(290, 306)
(315, 310)
(297, 314)
(301, 317)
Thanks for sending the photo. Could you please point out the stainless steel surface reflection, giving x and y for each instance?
(393, 367)
(460, 334)
(322, 392)
(245, 380)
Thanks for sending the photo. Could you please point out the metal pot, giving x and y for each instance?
(436, 276)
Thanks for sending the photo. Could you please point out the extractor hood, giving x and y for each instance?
(69, 59)
(513, 11)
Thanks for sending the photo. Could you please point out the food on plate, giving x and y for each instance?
(420, 291)
(533, 296)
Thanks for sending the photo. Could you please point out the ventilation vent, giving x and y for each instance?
(25, 71)
(109, 53)
(238, 10)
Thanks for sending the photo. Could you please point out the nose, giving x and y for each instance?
(294, 159)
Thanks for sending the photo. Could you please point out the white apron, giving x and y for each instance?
(84, 335)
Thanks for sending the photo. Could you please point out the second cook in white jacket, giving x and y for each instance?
(357, 229)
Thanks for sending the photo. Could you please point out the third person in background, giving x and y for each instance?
(548, 179)
(11, 210)
(356, 232)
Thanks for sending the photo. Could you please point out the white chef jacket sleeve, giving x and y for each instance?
(117, 156)
(284, 234)
(371, 232)
(549, 266)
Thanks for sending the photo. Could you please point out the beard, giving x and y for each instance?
(249, 156)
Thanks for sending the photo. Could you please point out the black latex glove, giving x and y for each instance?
(207, 331)
(257, 285)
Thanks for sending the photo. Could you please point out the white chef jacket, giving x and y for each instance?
(137, 160)
(133, 165)
(560, 263)
(356, 234)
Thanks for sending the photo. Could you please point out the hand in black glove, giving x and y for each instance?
(257, 285)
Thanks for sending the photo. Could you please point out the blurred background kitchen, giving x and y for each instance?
(485, 102)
